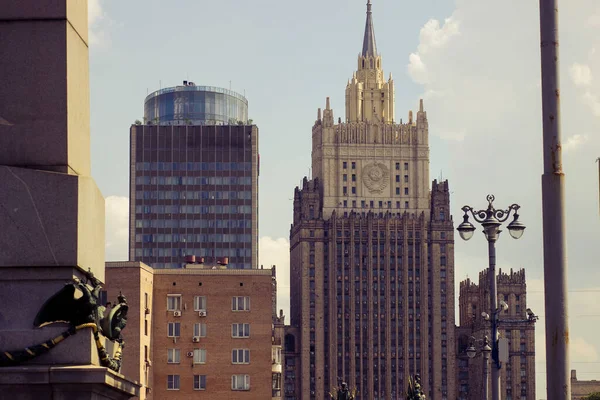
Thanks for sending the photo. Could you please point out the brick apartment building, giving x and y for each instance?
(200, 331)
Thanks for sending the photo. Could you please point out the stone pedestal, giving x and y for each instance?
(65, 383)
(51, 212)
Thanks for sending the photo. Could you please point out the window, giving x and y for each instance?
(172, 382)
(240, 330)
(406, 204)
(173, 356)
(353, 203)
(345, 190)
(345, 178)
(353, 189)
(240, 303)
(353, 177)
(397, 190)
(199, 356)
(200, 329)
(199, 303)
(199, 382)
(406, 166)
(397, 178)
(397, 166)
(406, 191)
(353, 165)
(345, 202)
(405, 178)
(344, 165)
(173, 329)
(240, 356)
(173, 302)
(240, 382)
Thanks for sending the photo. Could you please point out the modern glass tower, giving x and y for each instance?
(189, 104)
(194, 182)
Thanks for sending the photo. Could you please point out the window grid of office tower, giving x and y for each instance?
(194, 192)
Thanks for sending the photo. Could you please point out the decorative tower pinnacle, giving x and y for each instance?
(368, 96)
(369, 47)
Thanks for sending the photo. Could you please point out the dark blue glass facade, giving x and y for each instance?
(195, 105)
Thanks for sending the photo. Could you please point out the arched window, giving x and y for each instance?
(363, 63)
(290, 343)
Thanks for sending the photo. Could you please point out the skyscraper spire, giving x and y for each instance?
(369, 46)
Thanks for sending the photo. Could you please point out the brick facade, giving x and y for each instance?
(147, 357)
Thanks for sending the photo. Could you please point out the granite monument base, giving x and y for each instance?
(65, 383)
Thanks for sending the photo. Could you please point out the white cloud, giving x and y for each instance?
(594, 21)
(574, 142)
(583, 351)
(97, 20)
(117, 228)
(277, 252)
(581, 74)
(593, 102)
(432, 36)
(416, 69)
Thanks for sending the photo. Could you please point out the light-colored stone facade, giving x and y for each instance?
(581, 389)
(371, 252)
(149, 345)
(518, 374)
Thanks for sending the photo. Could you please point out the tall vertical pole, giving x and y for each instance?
(494, 316)
(486, 373)
(598, 161)
(558, 384)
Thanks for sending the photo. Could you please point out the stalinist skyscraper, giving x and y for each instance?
(372, 251)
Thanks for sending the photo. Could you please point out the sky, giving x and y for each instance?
(476, 64)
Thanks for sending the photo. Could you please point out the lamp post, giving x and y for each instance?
(485, 350)
(491, 220)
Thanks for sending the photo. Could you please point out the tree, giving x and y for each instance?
(593, 396)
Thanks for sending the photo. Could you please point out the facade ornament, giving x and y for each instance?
(375, 176)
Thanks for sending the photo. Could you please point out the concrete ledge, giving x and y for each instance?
(65, 383)
(50, 219)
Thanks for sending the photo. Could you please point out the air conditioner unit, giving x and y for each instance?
(202, 313)
(190, 354)
(196, 339)
(177, 313)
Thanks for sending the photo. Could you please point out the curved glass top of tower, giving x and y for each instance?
(195, 105)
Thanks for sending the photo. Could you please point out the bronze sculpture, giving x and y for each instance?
(80, 313)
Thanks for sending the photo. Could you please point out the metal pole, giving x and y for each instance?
(558, 384)
(486, 374)
(494, 316)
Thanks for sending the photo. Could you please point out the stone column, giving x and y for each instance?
(51, 211)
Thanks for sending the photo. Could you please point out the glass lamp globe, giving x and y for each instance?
(466, 229)
(516, 228)
(471, 352)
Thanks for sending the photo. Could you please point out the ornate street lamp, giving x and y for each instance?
(491, 220)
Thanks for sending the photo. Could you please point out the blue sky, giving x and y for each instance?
(475, 62)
